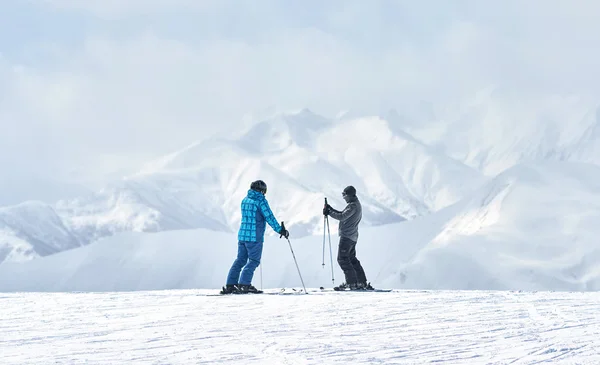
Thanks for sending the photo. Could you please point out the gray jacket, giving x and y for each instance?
(349, 219)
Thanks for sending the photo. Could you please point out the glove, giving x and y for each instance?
(284, 233)
(326, 209)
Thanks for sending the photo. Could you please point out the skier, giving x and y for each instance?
(349, 219)
(256, 213)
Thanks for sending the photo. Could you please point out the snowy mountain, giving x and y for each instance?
(32, 229)
(303, 158)
(498, 129)
(534, 227)
(418, 165)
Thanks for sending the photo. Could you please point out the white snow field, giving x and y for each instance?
(402, 327)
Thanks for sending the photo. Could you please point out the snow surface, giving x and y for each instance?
(403, 327)
(506, 236)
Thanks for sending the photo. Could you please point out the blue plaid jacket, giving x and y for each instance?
(256, 213)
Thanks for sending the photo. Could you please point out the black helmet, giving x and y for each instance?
(349, 191)
(259, 186)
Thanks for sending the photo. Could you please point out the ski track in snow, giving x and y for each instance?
(402, 327)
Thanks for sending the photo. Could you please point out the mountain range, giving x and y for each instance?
(303, 158)
(409, 168)
(506, 235)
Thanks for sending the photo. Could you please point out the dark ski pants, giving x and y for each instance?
(247, 260)
(348, 262)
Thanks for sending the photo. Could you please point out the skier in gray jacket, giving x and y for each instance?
(349, 219)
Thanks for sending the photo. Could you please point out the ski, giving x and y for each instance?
(331, 290)
(363, 291)
(355, 291)
(282, 291)
(220, 294)
(293, 291)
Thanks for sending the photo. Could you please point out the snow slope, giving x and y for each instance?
(32, 229)
(190, 191)
(534, 227)
(405, 327)
(499, 128)
(396, 169)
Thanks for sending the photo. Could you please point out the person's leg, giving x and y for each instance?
(241, 259)
(361, 278)
(254, 256)
(344, 260)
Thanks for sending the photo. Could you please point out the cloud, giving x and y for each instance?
(139, 78)
(112, 9)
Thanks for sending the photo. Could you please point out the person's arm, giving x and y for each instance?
(269, 216)
(343, 215)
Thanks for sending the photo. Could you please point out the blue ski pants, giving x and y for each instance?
(248, 259)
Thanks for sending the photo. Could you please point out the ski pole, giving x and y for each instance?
(283, 226)
(326, 221)
(330, 254)
(324, 233)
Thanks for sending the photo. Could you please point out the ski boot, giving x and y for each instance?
(229, 289)
(341, 287)
(356, 286)
(363, 286)
(245, 289)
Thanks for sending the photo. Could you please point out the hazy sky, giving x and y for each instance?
(83, 82)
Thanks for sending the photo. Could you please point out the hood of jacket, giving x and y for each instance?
(253, 194)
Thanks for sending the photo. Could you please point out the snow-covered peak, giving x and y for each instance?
(532, 227)
(32, 229)
(212, 153)
(394, 168)
(275, 134)
(499, 129)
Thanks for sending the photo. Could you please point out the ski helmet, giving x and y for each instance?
(349, 191)
(259, 186)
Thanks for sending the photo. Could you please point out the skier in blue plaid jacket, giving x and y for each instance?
(256, 213)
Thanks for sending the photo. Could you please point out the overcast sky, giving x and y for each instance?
(120, 80)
